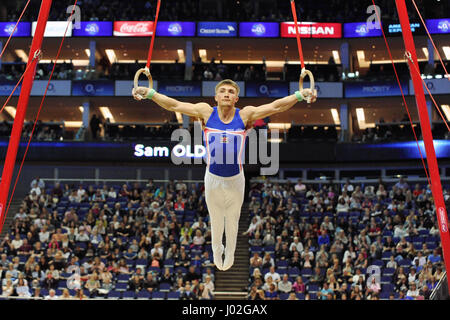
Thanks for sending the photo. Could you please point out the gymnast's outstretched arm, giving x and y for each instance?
(198, 110)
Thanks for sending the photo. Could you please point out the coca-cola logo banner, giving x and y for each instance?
(133, 28)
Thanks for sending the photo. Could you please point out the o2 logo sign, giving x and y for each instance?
(92, 29)
(362, 30)
(9, 28)
(175, 29)
(444, 26)
(258, 29)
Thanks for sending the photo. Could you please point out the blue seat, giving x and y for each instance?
(379, 263)
(164, 287)
(129, 295)
(157, 295)
(121, 286)
(388, 271)
(386, 279)
(282, 263)
(284, 296)
(386, 255)
(144, 294)
(306, 272)
(173, 295)
(114, 295)
(388, 287)
(168, 263)
(300, 296)
(123, 278)
(313, 288)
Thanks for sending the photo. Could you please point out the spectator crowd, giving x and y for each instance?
(128, 241)
(346, 242)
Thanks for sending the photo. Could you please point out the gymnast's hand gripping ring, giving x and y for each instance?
(145, 71)
(312, 85)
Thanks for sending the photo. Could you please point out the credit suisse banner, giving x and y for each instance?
(94, 29)
(175, 29)
(217, 29)
(54, 29)
(361, 30)
(374, 89)
(436, 86)
(266, 89)
(23, 29)
(92, 88)
(259, 29)
(133, 28)
(311, 30)
(438, 25)
(180, 88)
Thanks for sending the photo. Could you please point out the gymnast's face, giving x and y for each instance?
(226, 96)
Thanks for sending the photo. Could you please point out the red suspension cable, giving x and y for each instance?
(435, 48)
(17, 23)
(403, 95)
(297, 33)
(37, 115)
(150, 51)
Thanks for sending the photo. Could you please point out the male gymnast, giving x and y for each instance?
(225, 129)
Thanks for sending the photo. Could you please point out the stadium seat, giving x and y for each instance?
(173, 295)
(128, 295)
(157, 295)
(143, 295)
(114, 295)
(164, 287)
(123, 278)
(284, 296)
(121, 286)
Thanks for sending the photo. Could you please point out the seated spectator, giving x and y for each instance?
(188, 294)
(7, 288)
(273, 274)
(256, 294)
(150, 283)
(413, 292)
(256, 261)
(52, 295)
(373, 288)
(65, 295)
(285, 285)
(272, 293)
(191, 275)
(92, 285)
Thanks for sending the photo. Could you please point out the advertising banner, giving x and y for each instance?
(6, 87)
(23, 29)
(324, 89)
(175, 29)
(266, 89)
(123, 87)
(395, 29)
(374, 89)
(94, 29)
(133, 28)
(217, 29)
(180, 88)
(361, 30)
(436, 86)
(438, 25)
(93, 88)
(55, 88)
(54, 29)
(311, 30)
(259, 29)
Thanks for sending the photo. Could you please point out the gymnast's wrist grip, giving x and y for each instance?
(151, 93)
(299, 96)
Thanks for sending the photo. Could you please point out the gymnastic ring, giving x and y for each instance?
(311, 80)
(145, 71)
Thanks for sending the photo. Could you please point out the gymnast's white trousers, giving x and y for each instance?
(224, 197)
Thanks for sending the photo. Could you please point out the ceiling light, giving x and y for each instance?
(279, 126)
(22, 55)
(335, 115)
(447, 52)
(181, 55)
(81, 109)
(107, 114)
(88, 52)
(202, 54)
(425, 52)
(11, 111)
(446, 109)
(111, 55)
(336, 57)
(73, 124)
